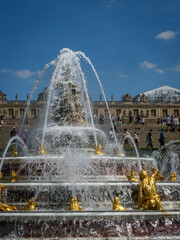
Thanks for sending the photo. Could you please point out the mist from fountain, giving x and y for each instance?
(31, 95)
(69, 59)
(167, 158)
(100, 84)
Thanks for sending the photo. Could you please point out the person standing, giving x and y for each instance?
(1, 122)
(125, 135)
(136, 139)
(162, 138)
(13, 132)
(176, 124)
(149, 139)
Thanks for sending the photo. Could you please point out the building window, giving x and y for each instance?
(153, 112)
(118, 111)
(165, 112)
(22, 112)
(136, 112)
(33, 112)
(11, 112)
(176, 112)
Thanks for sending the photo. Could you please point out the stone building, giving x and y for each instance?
(153, 104)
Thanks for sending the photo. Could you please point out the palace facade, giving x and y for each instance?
(153, 104)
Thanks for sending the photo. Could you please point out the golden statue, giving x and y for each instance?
(98, 150)
(42, 150)
(159, 177)
(4, 207)
(131, 177)
(118, 152)
(31, 206)
(15, 152)
(117, 206)
(173, 177)
(148, 198)
(14, 177)
(74, 206)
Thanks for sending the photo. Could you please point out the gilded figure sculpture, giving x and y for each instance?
(74, 206)
(159, 177)
(117, 206)
(42, 150)
(31, 205)
(4, 207)
(148, 198)
(118, 152)
(98, 150)
(132, 177)
(15, 152)
(14, 177)
(173, 177)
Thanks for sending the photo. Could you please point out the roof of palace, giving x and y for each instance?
(164, 89)
(164, 93)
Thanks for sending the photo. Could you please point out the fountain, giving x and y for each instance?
(71, 181)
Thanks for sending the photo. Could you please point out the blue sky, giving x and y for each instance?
(133, 44)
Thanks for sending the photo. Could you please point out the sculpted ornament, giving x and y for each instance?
(148, 198)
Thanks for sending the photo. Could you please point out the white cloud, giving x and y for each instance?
(160, 71)
(176, 68)
(118, 74)
(24, 73)
(114, 3)
(166, 35)
(152, 66)
(148, 65)
(5, 70)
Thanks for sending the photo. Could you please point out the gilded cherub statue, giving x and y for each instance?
(148, 198)
(118, 152)
(74, 206)
(31, 206)
(131, 177)
(42, 150)
(15, 152)
(14, 177)
(173, 177)
(117, 206)
(4, 207)
(159, 177)
(98, 150)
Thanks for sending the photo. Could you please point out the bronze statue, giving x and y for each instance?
(173, 177)
(31, 206)
(117, 206)
(74, 206)
(4, 207)
(131, 177)
(148, 198)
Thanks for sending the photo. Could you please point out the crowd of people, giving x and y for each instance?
(171, 122)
